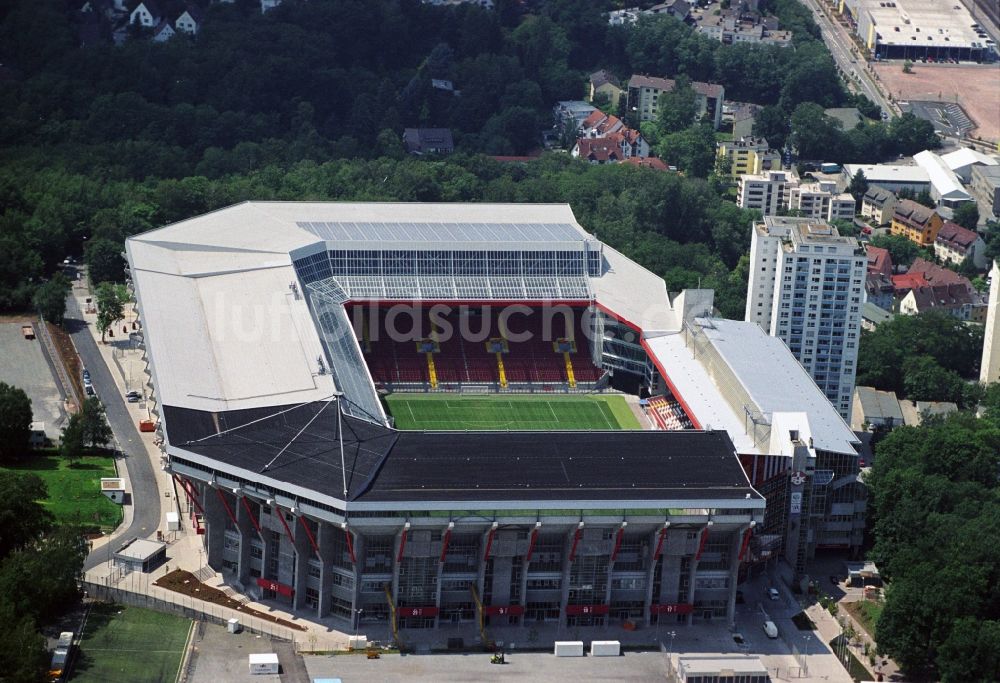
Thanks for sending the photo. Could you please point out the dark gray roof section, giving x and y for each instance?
(444, 232)
(384, 465)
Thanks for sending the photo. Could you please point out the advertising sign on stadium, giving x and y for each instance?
(796, 507)
(578, 610)
(279, 588)
(418, 611)
(671, 608)
(503, 610)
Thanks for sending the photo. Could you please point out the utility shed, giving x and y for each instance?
(141, 555)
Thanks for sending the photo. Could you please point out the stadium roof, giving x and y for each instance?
(228, 327)
(298, 445)
(754, 367)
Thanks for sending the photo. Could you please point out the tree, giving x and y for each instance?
(814, 134)
(74, 438)
(22, 517)
(692, 150)
(772, 123)
(15, 422)
(907, 66)
(901, 250)
(925, 380)
(924, 197)
(967, 215)
(96, 431)
(104, 261)
(41, 581)
(858, 186)
(22, 648)
(110, 306)
(50, 299)
(678, 107)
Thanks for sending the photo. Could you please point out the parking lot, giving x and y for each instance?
(219, 656)
(23, 365)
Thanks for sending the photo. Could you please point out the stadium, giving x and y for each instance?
(474, 415)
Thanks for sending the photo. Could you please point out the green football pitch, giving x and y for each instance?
(514, 412)
(130, 645)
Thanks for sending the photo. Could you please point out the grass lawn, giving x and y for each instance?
(74, 490)
(130, 645)
(451, 412)
(867, 613)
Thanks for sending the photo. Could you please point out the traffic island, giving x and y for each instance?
(186, 583)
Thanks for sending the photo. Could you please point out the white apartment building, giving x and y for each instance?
(822, 201)
(806, 288)
(767, 192)
(990, 368)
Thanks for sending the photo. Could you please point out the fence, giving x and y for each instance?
(162, 600)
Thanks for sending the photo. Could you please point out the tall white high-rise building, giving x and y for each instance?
(989, 371)
(806, 288)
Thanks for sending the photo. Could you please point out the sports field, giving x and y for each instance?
(513, 412)
(130, 645)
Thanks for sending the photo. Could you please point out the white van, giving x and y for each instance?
(770, 629)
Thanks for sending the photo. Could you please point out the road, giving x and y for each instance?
(843, 50)
(145, 494)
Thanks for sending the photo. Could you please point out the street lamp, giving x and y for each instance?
(357, 621)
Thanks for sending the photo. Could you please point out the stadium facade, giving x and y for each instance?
(271, 328)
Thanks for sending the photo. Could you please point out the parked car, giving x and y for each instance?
(89, 389)
(773, 593)
(133, 396)
(770, 629)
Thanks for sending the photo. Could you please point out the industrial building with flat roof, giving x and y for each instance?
(267, 393)
(917, 29)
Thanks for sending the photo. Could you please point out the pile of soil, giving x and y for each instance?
(186, 583)
(70, 359)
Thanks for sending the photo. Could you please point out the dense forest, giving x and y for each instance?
(309, 100)
(936, 500)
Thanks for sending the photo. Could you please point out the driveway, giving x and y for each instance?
(145, 495)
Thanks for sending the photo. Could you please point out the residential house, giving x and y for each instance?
(570, 114)
(873, 315)
(598, 150)
(624, 17)
(603, 84)
(421, 141)
(874, 409)
(644, 95)
(821, 200)
(741, 115)
(963, 160)
(678, 9)
(147, 13)
(163, 32)
(878, 205)
(732, 26)
(955, 300)
(267, 5)
(190, 20)
(914, 412)
(443, 84)
(956, 244)
(879, 261)
(749, 156)
(599, 124)
(767, 192)
(916, 222)
(986, 181)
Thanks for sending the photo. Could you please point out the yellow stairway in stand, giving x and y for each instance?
(479, 613)
(431, 370)
(500, 369)
(570, 377)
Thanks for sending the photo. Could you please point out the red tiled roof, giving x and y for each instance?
(908, 281)
(599, 149)
(937, 275)
(879, 260)
(647, 162)
(954, 236)
(595, 118)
